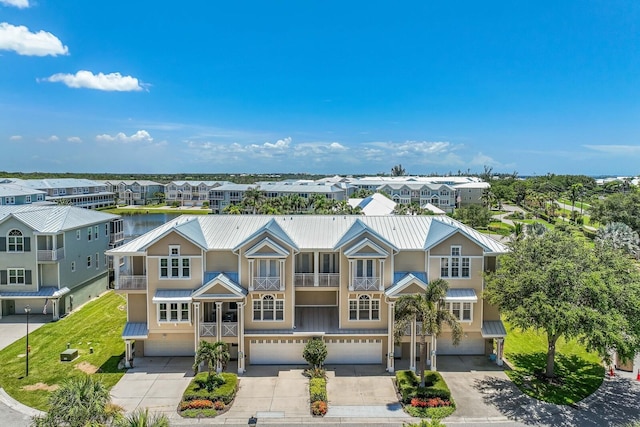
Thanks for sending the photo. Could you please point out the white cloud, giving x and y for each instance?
(52, 138)
(139, 136)
(20, 4)
(281, 144)
(108, 82)
(615, 149)
(15, 137)
(74, 139)
(22, 41)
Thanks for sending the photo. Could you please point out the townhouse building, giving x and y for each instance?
(265, 285)
(13, 194)
(190, 193)
(52, 257)
(79, 192)
(441, 196)
(138, 192)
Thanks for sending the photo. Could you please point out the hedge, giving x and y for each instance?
(226, 392)
(318, 389)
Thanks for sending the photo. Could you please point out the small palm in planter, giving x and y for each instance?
(216, 353)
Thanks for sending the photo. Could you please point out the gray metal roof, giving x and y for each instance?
(143, 182)
(461, 294)
(58, 183)
(45, 292)
(493, 329)
(54, 218)
(309, 232)
(133, 330)
(172, 295)
(13, 189)
(301, 188)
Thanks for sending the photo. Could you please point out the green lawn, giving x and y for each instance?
(579, 372)
(98, 324)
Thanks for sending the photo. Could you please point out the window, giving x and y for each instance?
(364, 308)
(15, 241)
(268, 268)
(175, 312)
(106, 230)
(460, 310)
(16, 276)
(95, 232)
(10, 200)
(268, 308)
(174, 250)
(78, 234)
(455, 265)
(364, 268)
(89, 233)
(89, 261)
(96, 261)
(73, 266)
(330, 263)
(40, 197)
(175, 268)
(27, 199)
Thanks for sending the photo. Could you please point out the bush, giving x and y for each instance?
(318, 389)
(225, 392)
(315, 351)
(219, 405)
(315, 373)
(210, 382)
(408, 385)
(196, 404)
(319, 408)
(199, 413)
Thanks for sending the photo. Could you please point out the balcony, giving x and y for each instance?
(229, 329)
(325, 280)
(116, 237)
(407, 330)
(51, 255)
(266, 283)
(131, 283)
(365, 284)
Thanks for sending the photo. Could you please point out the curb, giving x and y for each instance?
(17, 406)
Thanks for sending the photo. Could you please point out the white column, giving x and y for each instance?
(500, 349)
(196, 323)
(241, 358)
(390, 334)
(434, 343)
(54, 304)
(218, 329)
(412, 347)
(250, 275)
(381, 276)
(351, 275)
(282, 275)
(316, 268)
(116, 271)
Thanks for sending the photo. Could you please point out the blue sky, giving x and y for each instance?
(320, 86)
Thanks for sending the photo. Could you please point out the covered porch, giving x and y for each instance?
(43, 301)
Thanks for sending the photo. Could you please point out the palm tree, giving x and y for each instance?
(398, 170)
(142, 418)
(575, 193)
(78, 402)
(535, 229)
(620, 236)
(427, 308)
(253, 198)
(232, 210)
(216, 353)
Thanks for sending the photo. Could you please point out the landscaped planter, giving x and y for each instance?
(198, 402)
(432, 401)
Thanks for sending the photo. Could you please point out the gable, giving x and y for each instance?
(266, 248)
(411, 289)
(161, 247)
(469, 247)
(366, 248)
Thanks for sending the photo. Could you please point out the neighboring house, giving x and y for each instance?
(140, 192)
(52, 257)
(227, 194)
(14, 194)
(190, 193)
(375, 204)
(266, 285)
(441, 195)
(470, 193)
(79, 192)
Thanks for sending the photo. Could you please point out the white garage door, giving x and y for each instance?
(354, 351)
(277, 352)
(169, 348)
(466, 346)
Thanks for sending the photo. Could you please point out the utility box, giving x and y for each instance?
(69, 355)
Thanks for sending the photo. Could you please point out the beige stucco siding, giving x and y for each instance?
(155, 282)
(311, 298)
(161, 247)
(409, 261)
(469, 248)
(491, 312)
(221, 261)
(136, 308)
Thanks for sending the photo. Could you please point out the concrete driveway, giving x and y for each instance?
(463, 374)
(156, 383)
(14, 327)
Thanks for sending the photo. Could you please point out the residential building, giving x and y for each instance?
(442, 196)
(14, 194)
(267, 284)
(53, 257)
(79, 192)
(375, 204)
(139, 192)
(190, 193)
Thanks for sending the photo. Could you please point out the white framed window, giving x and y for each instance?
(268, 308)
(175, 268)
(73, 266)
(16, 276)
(15, 241)
(365, 268)
(174, 312)
(78, 234)
(95, 232)
(106, 230)
(463, 311)
(40, 197)
(455, 265)
(89, 233)
(268, 268)
(89, 261)
(27, 199)
(174, 250)
(364, 308)
(96, 260)
(9, 200)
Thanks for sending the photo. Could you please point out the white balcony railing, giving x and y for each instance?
(407, 330)
(116, 237)
(266, 283)
(132, 282)
(329, 280)
(304, 280)
(229, 329)
(365, 284)
(325, 280)
(207, 329)
(51, 255)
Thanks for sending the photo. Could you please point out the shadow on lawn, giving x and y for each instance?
(111, 365)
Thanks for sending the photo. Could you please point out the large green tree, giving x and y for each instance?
(428, 309)
(557, 284)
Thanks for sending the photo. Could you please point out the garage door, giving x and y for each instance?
(354, 351)
(277, 352)
(169, 348)
(466, 346)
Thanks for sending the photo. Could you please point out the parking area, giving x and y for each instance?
(14, 327)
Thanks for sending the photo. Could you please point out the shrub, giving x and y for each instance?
(318, 389)
(225, 392)
(210, 382)
(219, 405)
(319, 408)
(196, 404)
(315, 373)
(199, 413)
(315, 351)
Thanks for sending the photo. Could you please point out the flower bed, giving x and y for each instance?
(199, 402)
(318, 392)
(431, 401)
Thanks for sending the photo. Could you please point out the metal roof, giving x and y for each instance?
(461, 295)
(13, 189)
(309, 232)
(133, 330)
(172, 295)
(493, 329)
(45, 292)
(54, 218)
(58, 183)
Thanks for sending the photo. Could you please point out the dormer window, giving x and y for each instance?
(175, 266)
(455, 266)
